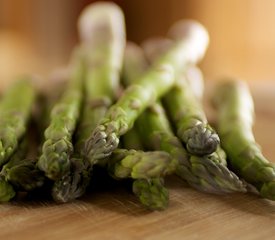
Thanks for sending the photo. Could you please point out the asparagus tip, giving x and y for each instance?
(53, 168)
(151, 193)
(201, 140)
(193, 31)
(268, 190)
(101, 144)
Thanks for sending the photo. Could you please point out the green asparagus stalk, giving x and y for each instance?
(208, 173)
(186, 110)
(130, 140)
(235, 108)
(156, 46)
(157, 81)
(57, 147)
(102, 31)
(15, 109)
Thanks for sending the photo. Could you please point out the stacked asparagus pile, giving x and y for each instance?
(135, 112)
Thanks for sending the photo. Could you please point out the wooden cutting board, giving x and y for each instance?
(116, 214)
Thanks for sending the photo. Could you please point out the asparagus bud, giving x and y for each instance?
(152, 193)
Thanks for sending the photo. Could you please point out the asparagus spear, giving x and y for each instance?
(57, 147)
(102, 31)
(15, 109)
(190, 121)
(152, 85)
(208, 173)
(186, 110)
(235, 108)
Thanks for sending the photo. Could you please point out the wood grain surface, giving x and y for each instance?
(116, 214)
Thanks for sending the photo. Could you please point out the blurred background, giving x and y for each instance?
(37, 36)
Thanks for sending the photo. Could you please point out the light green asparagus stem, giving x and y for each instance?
(235, 107)
(133, 68)
(208, 173)
(184, 108)
(152, 85)
(15, 109)
(57, 147)
(151, 193)
(130, 140)
(156, 46)
(102, 32)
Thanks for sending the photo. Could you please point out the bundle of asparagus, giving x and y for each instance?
(208, 173)
(156, 110)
